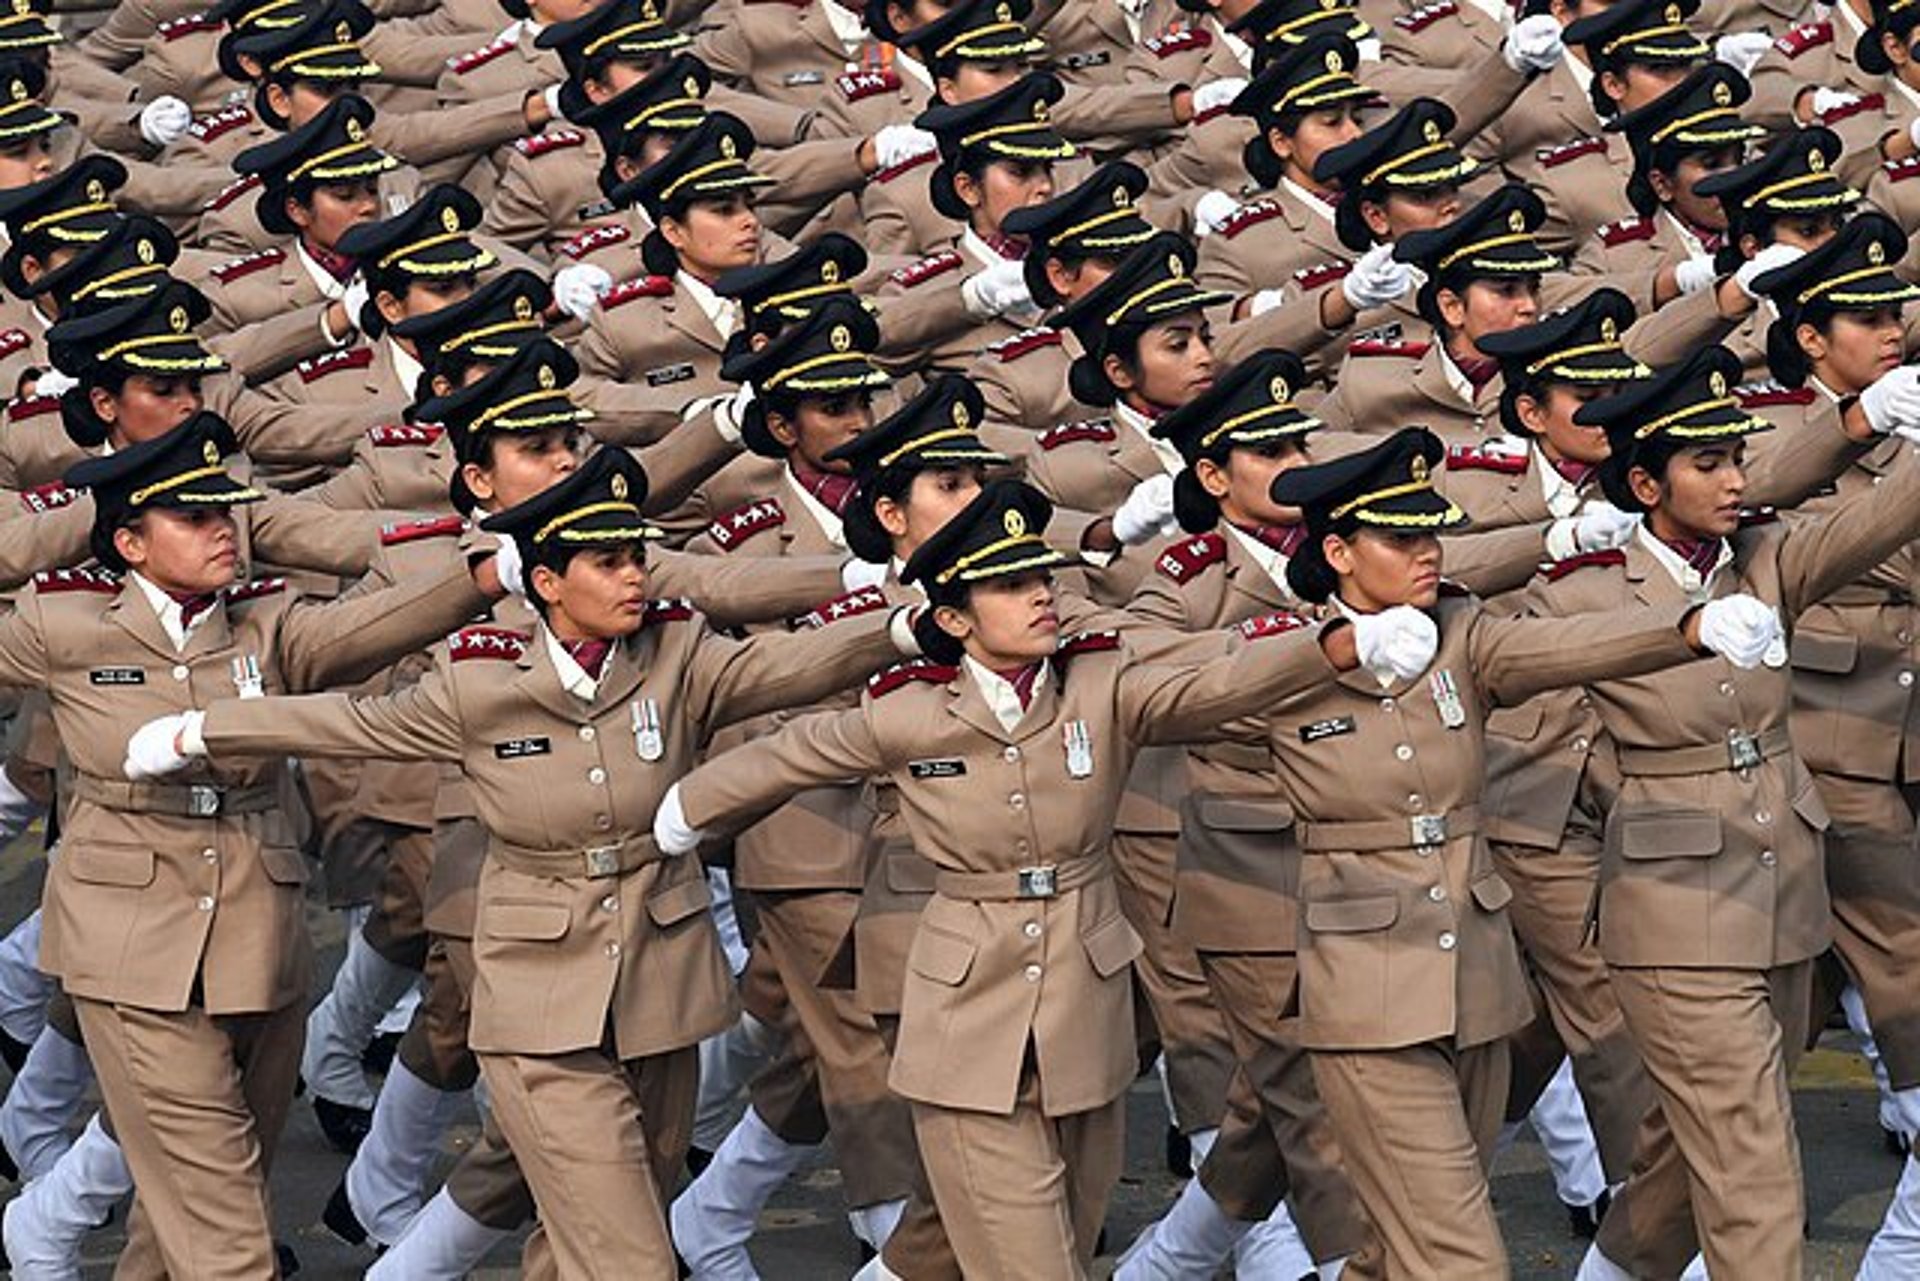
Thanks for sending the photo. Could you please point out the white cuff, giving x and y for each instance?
(192, 743)
(900, 631)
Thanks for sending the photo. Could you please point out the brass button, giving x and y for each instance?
(1033, 929)
(1012, 753)
(613, 949)
(1447, 941)
(1018, 800)
(1403, 752)
(1437, 893)
(206, 903)
(179, 671)
(1033, 974)
(586, 733)
(596, 775)
(1768, 858)
(611, 903)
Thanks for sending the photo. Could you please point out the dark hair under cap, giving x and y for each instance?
(1701, 113)
(1648, 32)
(1689, 402)
(181, 469)
(1854, 271)
(1013, 123)
(1100, 218)
(1151, 284)
(1575, 346)
(1248, 406)
(598, 505)
(1896, 18)
(1793, 177)
(707, 162)
(1312, 75)
(1409, 151)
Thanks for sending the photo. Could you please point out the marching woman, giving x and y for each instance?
(598, 968)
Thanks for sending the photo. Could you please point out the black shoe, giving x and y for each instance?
(680, 1267)
(1897, 1145)
(698, 1159)
(13, 1053)
(377, 1058)
(1179, 1154)
(340, 1218)
(284, 1256)
(1585, 1219)
(345, 1127)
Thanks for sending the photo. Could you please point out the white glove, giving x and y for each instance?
(1913, 132)
(1740, 629)
(54, 383)
(164, 745)
(897, 144)
(1599, 527)
(729, 412)
(1892, 403)
(1742, 49)
(1695, 274)
(1000, 289)
(1217, 94)
(508, 567)
(670, 830)
(1396, 644)
(857, 574)
(1376, 279)
(1534, 44)
(1265, 301)
(550, 96)
(1825, 100)
(1211, 212)
(578, 288)
(165, 120)
(1147, 511)
(353, 300)
(1760, 264)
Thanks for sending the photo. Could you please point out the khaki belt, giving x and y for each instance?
(1740, 751)
(1419, 831)
(1046, 881)
(592, 862)
(188, 800)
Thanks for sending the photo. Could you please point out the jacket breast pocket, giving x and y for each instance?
(1520, 724)
(1829, 653)
(1111, 945)
(940, 956)
(1663, 834)
(283, 864)
(1353, 915)
(130, 866)
(676, 903)
(532, 922)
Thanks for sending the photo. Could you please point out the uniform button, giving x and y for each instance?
(179, 671)
(1437, 893)
(1905, 679)
(1403, 752)
(602, 822)
(1763, 816)
(596, 775)
(1386, 704)
(1414, 800)
(586, 733)
(1580, 744)
(1425, 851)
(1020, 847)
(1726, 687)
(1018, 800)
(1447, 941)
(206, 903)
(1033, 929)
(1768, 858)
(210, 854)
(1033, 974)
(613, 949)
(611, 903)
(1904, 637)
(1012, 754)
(1585, 700)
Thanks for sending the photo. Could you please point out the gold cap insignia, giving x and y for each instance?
(177, 319)
(450, 218)
(96, 190)
(343, 33)
(143, 250)
(1517, 220)
(961, 418)
(1609, 331)
(1877, 254)
(1816, 160)
(1014, 523)
(523, 308)
(1335, 63)
(1671, 13)
(1120, 198)
(210, 452)
(841, 338)
(728, 147)
(1279, 390)
(1717, 383)
(1722, 94)
(1003, 13)
(829, 273)
(1040, 110)
(548, 379)
(1176, 266)
(692, 85)
(18, 90)
(649, 11)
(1431, 131)
(1418, 471)
(354, 132)
(618, 487)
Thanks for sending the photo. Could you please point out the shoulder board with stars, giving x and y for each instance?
(1088, 643)
(1278, 623)
(919, 273)
(1425, 16)
(412, 531)
(1901, 170)
(1474, 458)
(1760, 395)
(1568, 152)
(862, 600)
(644, 287)
(260, 260)
(742, 523)
(1384, 347)
(1010, 349)
(232, 192)
(76, 580)
(901, 675)
(333, 362)
(906, 166)
(1847, 110)
(673, 609)
(486, 642)
(1321, 274)
(552, 140)
(1251, 214)
(44, 498)
(398, 435)
(221, 122)
(1099, 430)
(857, 85)
(479, 57)
(593, 238)
(1808, 35)
(32, 407)
(1168, 43)
(1625, 231)
(1561, 568)
(14, 340)
(1191, 556)
(258, 589)
(1754, 516)
(180, 28)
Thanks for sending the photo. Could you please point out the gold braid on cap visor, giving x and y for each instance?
(1298, 426)
(1675, 423)
(1333, 86)
(795, 377)
(322, 168)
(1357, 508)
(965, 569)
(1833, 293)
(1454, 170)
(1194, 299)
(1015, 42)
(297, 61)
(244, 494)
(974, 450)
(1541, 261)
(132, 351)
(996, 141)
(500, 417)
(1125, 238)
(473, 260)
(1842, 194)
(1696, 48)
(109, 285)
(664, 38)
(85, 236)
(1555, 364)
(561, 523)
(704, 175)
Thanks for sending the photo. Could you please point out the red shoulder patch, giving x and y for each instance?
(644, 287)
(1190, 556)
(901, 675)
(1168, 43)
(552, 140)
(221, 123)
(1567, 153)
(1847, 110)
(333, 362)
(919, 273)
(413, 531)
(259, 588)
(742, 523)
(486, 642)
(1901, 170)
(1425, 16)
(1321, 274)
(1625, 231)
(1008, 349)
(1382, 347)
(479, 57)
(1088, 643)
(394, 435)
(180, 28)
(1760, 395)
(905, 166)
(1095, 429)
(1474, 458)
(863, 600)
(672, 609)
(232, 192)
(14, 340)
(1251, 214)
(44, 498)
(1278, 623)
(1808, 35)
(32, 407)
(260, 260)
(612, 233)
(1561, 568)
(858, 85)
(76, 580)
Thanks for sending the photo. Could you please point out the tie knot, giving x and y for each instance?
(591, 655)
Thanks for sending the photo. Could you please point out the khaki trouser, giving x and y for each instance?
(918, 1248)
(1416, 1128)
(197, 1103)
(396, 928)
(1022, 1195)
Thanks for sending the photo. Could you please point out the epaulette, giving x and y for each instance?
(1251, 214)
(44, 498)
(413, 531)
(918, 273)
(905, 166)
(1088, 643)
(1625, 231)
(1476, 458)
(1023, 342)
(552, 140)
(13, 340)
(230, 193)
(395, 435)
(31, 407)
(856, 85)
(1383, 347)
(333, 362)
(76, 580)
(259, 260)
(1094, 429)
(1567, 152)
(612, 233)
(1561, 568)
(1901, 170)
(479, 57)
(1321, 274)
(672, 609)
(221, 122)
(901, 675)
(179, 28)
(644, 287)
(1191, 555)
(486, 642)
(1847, 110)
(1425, 16)
(863, 600)
(1752, 516)
(1808, 35)
(1278, 623)
(742, 523)
(1168, 43)
(1760, 395)
(259, 588)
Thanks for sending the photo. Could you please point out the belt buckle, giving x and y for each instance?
(203, 801)
(603, 860)
(1037, 882)
(1743, 750)
(1428, 829)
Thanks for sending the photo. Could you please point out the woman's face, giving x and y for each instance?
(1006, 622)
(1405, 211)
(26, 160)
(1698, 495)
(972, 81)
(423, 296)
(1550, 419)
(1174, 363)
(1489, 307)
(335, 209)
(146, 406)
(1001, 188)
(715, 236)
(191, 551)
(1317, 133)
(1802, 231)
(1857, 347)
(1379, 569)
(521, 465)
(601, 596)
(933, 498)
(1678, 188)
(1243, 486)
(822, 424)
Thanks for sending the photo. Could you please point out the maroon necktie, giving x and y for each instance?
(1575, 474)
(339, 266)
(1008, 247)
(193, 604)
(1479, 371)
(1701, 553)
(1023, 681)
(1285, 539)
(591, 655)
(1709, 239)
(832, 489)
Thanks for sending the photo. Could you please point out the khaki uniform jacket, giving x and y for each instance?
(1814, 55)
(1266, 242)
(549, 193)
(652, 332)
(150, 905)
(501, 68)
(1024, 380)
(230, 222)
(1552, 141)
(582, 925)
(781, 53)
(1091, 465)
(1383, 387)
(924, 322)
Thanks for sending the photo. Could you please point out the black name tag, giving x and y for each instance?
(598, 209)
(805, 78)
(666, 375)
(1332, 727)
(117, 676)
(953, 768)
(516, 748)
(1093, 58)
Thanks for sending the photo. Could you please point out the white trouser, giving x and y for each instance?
(46, 1223)
(24, 990)
(714, 1217)
(443, 1243)
(387, 1179)
(728, 1061)
(1559, 1118)
(43, 1100)
(339, 1029)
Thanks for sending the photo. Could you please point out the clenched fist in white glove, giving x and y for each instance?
(1825, 100)
(164, 745)
(1211, 212)
(165, 120)
(1694, 274)
(1742, 49)
(897, 144)
(1534, 44)
(353, 300)
(1768, 259)
(1147, 511)
(54, 383)
(1216, 95)
(1893, 401)
(1599, 527)
(670, 830)
(578, 288)
(730, 412)
(1740, 629)
(1396, 644)
(1376, 279)
(997, 291)
(509, 568)
(857, 574)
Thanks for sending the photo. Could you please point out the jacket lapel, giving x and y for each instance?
(540, 680)
(969, 705)
(685, 315)
(132, 613)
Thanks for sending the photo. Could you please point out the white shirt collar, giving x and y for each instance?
(1242, 51)
(405, 367)
(1162, 449)
(830, 524)
(1461, 384)
(1843, 14)
(1823, 389)
(1272, 561)
(1697, 588)
(330, 289)
(172, 616)
(1563, 497)
(1314, 204)
(573, 677)
(911, 69)
(980, 250)
(1904, 89)
(999, 691)
(847, 26)
(1583, 76)
(1500, 13)
(1688, 240)
(722, 313)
